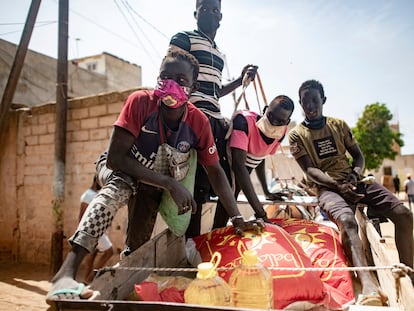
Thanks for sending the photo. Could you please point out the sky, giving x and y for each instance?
(361, 51)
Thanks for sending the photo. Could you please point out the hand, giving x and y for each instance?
(249, 71)
(182, 198)
(346, 190)
(240, 225)
(352, 178)
(274, 196)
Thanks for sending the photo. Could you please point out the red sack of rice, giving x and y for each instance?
(276, 249)
(323, 246)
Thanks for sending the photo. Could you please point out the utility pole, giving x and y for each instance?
(60, 138)
(17, 66)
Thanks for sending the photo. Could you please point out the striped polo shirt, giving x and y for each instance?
(211, 61)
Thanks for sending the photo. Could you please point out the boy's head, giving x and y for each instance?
(177, 79)
(312, 84)
(312, 98)
(279, 110)
(208, 15)
(177, 55)
(276, 117)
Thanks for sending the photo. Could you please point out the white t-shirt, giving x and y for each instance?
(87, 196)
(409, 183)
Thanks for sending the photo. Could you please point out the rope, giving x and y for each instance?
(398, 269)
(245, 83)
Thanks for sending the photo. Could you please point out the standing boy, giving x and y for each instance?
(201, 44)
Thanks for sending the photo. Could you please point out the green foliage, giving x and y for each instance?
(375, 136)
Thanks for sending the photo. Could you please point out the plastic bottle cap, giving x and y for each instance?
(206, 270)
(250, 257)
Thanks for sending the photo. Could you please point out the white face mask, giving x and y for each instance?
(269, 130)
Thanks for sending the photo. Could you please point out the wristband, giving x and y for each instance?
(236, 217)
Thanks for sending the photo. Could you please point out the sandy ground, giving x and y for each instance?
(24, 286)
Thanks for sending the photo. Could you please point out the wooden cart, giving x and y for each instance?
(167, 250)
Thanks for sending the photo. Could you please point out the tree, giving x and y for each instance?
(375, 136)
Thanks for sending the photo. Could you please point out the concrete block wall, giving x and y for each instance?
(27, 168)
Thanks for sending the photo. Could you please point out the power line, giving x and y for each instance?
(136, 35)
(148, 23)
(39, 22)
(130, 11)
(20, 30)
(106, 29)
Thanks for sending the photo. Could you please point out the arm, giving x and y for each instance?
(242, 177)
(261, 176)
(319, 177)
(222, 188)
(119, 159)
(358, 160)
(315, 174)
(231, 86)
(346, 189)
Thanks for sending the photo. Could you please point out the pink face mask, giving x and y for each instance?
(171, 93)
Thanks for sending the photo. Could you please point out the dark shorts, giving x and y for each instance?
(378, 198)
(202, 187)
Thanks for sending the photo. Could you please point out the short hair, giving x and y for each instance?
(312, 84)
(198, 3)
(181, 54)
(285, 102)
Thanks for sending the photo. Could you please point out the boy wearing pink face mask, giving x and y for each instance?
(128, 171)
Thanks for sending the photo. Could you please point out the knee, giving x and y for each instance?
(402, 216)
(347, 222)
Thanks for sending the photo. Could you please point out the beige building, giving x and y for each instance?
(37, 83)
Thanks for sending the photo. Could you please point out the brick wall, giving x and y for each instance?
(27, 167)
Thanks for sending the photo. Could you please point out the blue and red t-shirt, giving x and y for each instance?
(140, 116)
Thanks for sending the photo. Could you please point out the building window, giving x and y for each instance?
(387, 170)
(91, 66)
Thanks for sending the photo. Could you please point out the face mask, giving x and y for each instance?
(171, 93)
(208, 22)
(269, 130)
(315, 124)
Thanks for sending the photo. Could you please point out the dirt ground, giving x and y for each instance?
(24, 286)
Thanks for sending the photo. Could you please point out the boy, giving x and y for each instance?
(252, 138)
(148, 120)
(319, 145)
(200, 43)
